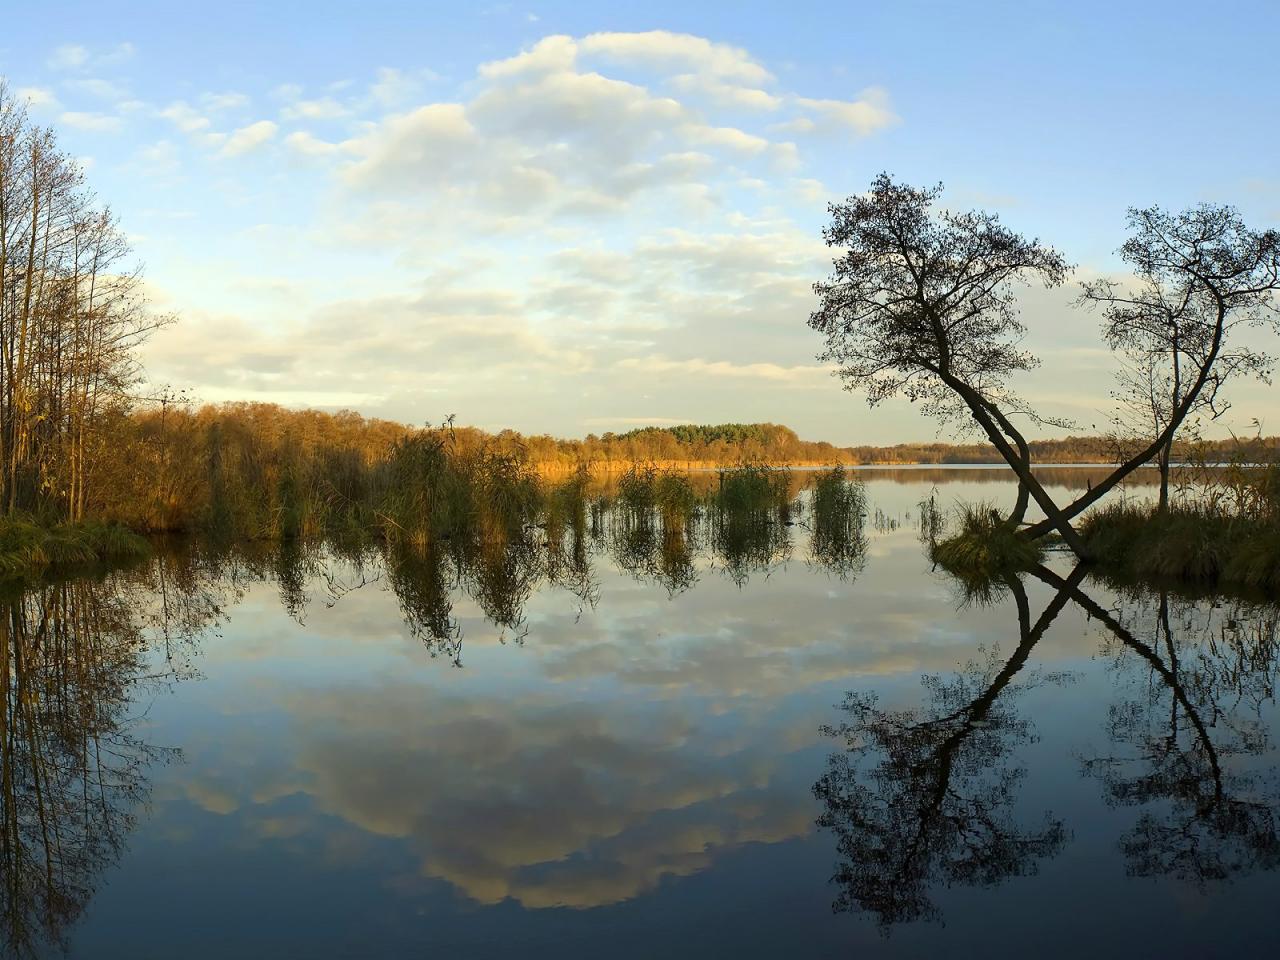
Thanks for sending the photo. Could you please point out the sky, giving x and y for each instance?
(576, 218)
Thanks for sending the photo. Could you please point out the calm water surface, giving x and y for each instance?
(638, 752)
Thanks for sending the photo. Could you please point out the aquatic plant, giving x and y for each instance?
(1193, 544)
(985, 548)
(838, 512)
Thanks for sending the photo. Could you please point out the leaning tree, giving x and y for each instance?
(922, 304)
(1201, 278)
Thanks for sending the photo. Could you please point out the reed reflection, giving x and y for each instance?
(652, 527)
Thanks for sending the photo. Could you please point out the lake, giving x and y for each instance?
(638, 747)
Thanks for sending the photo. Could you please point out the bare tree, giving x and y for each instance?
(71, 315)
(1166, 326)
(1203, 277)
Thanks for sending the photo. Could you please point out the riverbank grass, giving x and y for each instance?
(1187, 544)
(28, 547)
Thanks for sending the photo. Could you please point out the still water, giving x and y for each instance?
(637, 749)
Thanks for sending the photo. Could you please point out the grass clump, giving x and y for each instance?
(752, 488)
(748, 515)
(839, 509)
(985, 548)
(1187, 544)
(28, 547)
(644, 490)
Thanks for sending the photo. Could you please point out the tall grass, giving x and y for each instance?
(838, 512)
(984, 549)
(748, 516)
(1223, 527)
(1191, 544)
(28, 547)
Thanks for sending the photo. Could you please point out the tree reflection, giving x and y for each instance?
(73, 657)
(925, 796)
(1183, 741)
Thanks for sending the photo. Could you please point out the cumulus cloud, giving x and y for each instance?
(544, 136)
(560, 169)
(677, 52)
(866, 115)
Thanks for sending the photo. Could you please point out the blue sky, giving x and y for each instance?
(575, 218)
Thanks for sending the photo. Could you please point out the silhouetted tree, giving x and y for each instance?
(1199, 276)
(1202, 275)
(921, 304)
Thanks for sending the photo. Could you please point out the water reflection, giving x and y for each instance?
(923, 798)
(654, 740)
(1194, 714)
(73, 769)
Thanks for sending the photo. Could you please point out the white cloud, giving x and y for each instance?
(325, 108)
(729, 137)
(310, 145)
(69, 56)
(92, 122)
(393, 88)
(249, 138)
(75, 56)
(217, 102)
(536, 201)
(555, 54)
(185, 117)
(38, 97)
(286, 91)
(698, 367)
(429, 141)
(868, 114)
(729, 95)
(663, 50)
(97, 87)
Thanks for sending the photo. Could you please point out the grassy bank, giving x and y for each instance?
(28, 547)
(1194, 546)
